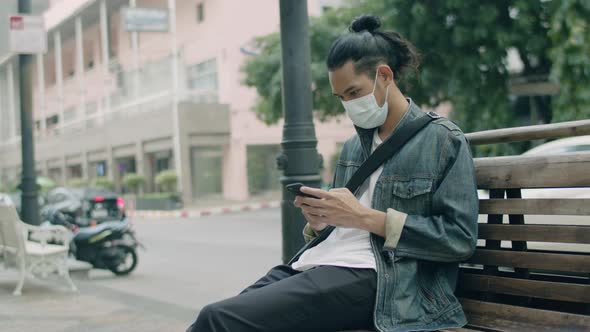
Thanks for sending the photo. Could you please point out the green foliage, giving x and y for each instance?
(264, 71)
(167, 180)
(45, 184)
(134, 181)
(464, 46)
(104, 182)
(14, 188)
(570, 54)
(77, 183)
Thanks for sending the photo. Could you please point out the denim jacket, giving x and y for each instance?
(428, 191)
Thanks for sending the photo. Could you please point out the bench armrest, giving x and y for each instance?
(46, 233)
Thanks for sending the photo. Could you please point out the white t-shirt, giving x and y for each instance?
(348, 247)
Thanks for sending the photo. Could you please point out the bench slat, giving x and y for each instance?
(539, 233)
(535, 206)
(531, 288)
(503, 317)
(532, 260)
(557, 171)
(527, 133)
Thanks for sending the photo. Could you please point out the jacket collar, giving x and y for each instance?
(366, 135)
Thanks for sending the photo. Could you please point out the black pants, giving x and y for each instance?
(325, 298)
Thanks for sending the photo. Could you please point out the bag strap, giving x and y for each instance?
(384, 152)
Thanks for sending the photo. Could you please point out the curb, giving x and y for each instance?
(198, 213)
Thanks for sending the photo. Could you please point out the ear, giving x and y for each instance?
(385, 73)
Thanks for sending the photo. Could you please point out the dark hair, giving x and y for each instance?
(367, 47)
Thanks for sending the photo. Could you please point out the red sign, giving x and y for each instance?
(16, 23)
(27, 34)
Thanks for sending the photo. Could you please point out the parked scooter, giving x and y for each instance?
(111, 245)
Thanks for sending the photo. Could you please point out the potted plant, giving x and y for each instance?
(166, 199)
(134, 182)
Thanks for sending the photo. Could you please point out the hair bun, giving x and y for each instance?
(365, 22)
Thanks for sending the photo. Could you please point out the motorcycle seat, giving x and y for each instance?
(87, 232)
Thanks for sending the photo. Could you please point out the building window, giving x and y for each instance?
(101, 168)
(52, 121)
(70, 114)
(206, 171)
(91, 107)
(162, 164)
(202, 81)
(200, 12)
(263, 174)
(75, 171)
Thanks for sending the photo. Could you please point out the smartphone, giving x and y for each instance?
(295, 188)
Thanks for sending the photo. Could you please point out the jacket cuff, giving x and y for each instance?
(308, 233)
(394, 224)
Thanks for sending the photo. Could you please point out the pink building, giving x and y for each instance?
(109, 102)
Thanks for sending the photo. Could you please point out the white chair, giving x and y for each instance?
(33, 258)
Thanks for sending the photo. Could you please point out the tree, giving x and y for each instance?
(570, 35)
(264, 70)
(464, 45)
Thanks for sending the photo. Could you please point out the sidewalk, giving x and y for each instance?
(48, 308)
(210, 207)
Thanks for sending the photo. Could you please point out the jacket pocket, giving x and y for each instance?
(412, 188)
(430, 287)
(411, 196)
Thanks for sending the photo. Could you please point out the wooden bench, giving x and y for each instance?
(533, 273)
(529, 274)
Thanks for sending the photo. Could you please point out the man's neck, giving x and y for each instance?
(398, 106)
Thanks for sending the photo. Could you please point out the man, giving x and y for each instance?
(391, 261)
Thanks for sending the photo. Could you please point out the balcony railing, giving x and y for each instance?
(114, 95)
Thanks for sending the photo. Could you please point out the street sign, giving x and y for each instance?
(27, 34)
(145, 19)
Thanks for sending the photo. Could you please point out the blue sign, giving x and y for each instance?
(145, 19)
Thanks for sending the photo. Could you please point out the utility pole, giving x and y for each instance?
(299, 160)
(175, 100)
(29, 202)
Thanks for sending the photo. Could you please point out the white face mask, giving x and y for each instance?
(365, 112)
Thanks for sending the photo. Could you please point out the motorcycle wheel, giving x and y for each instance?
(128, 263)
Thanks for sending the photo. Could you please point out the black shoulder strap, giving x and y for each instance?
(385, 151)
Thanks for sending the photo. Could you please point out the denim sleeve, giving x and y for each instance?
(308, 233)
(450, 234)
